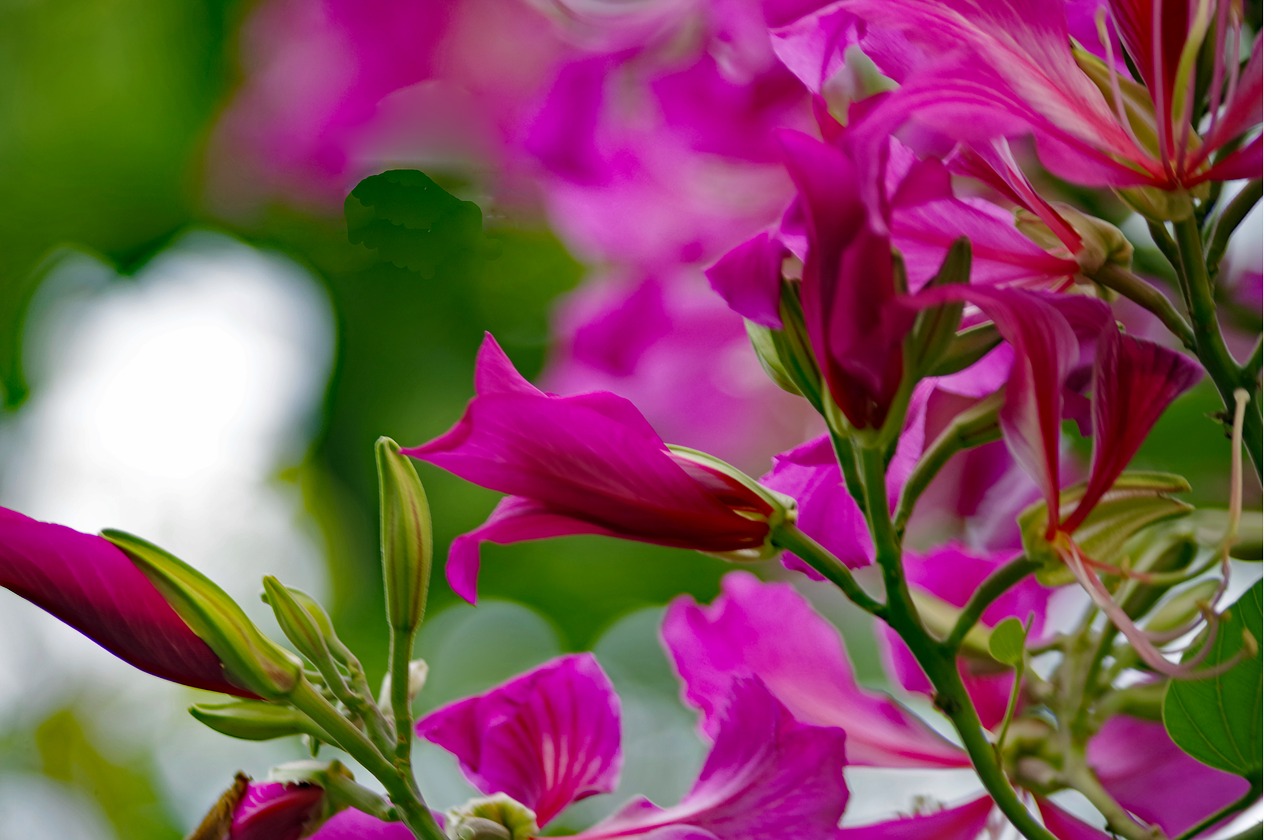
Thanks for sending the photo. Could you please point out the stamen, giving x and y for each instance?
(1219, 62)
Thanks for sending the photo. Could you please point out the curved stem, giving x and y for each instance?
(1210, 347)
(995, 585)
(826, 564)
(1228, 220)
(402, 791)
(1141, 292)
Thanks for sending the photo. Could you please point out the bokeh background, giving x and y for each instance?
(192, 349)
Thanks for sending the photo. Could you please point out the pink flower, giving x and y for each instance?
(551, 736)
(584, 464)
(94, 587)
(275, 811)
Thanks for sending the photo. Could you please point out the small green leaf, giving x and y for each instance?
(1007, 642)
(1218, 720)
(412, 222)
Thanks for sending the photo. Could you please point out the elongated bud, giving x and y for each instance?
(295, 620)
(1184, 607)
(250, 720)
(252, 660)
(406, 537)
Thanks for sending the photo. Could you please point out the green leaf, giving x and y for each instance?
(414, 223)
(1007, 641)
(1218, 720)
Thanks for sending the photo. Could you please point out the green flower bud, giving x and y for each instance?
(250, 720)
(935, 327)
(406, 537)
(298, 624)
(252, 660)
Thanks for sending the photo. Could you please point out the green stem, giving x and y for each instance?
(974, 427)
(1077, 773)
(939, 665)
(1253, 832)
(1253, 367)
(402, 791)
(826, 564)
(1243, 803)
(401, 704)
(1210, 347)
(1141, 292)
(847, 458)
(1228, 220)
(995, 585)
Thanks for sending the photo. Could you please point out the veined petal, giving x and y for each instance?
(351, 824)
(93, 586)
(965, 822)
(1134, 382)
(547, 738)
(767, 777)
(767, 630)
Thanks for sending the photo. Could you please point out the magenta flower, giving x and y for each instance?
(551, 737)
(584, 464)
(979, 69)
(94, 587)
(767, 630)
(274, 811)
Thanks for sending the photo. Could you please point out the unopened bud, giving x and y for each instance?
(295, 620)
(418, 671)
(406, 537)
(251, 720)
(249, 657)
(497, 817)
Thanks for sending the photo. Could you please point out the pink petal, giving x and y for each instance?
(1134, 383)
(351, 824)
(1065, 826)
(965, 822)
(767, 777)
(749, 278)
(1147, 773)
(547, 738)
(767, 630)
(274, 811)
(93, 586)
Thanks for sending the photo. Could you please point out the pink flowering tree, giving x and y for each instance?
(924, 219)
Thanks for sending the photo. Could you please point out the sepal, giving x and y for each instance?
(253, 660)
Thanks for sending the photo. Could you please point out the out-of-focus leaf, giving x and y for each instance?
(414, 223)
(1218, 720)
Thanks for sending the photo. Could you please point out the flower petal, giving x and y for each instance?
(749, 278)
(351, 824)
(93, 586)
(1134, 383)
(767, 777)
(965, 822)
(767, 630)
(546, 738)
(274, 811)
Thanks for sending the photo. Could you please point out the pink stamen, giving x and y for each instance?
(1163, 128)
(1215, 87)
(1113, 77)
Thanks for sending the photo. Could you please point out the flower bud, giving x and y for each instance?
(497, 817)
(296, 621)
(406, 537)
(252, 659)
(250, 720)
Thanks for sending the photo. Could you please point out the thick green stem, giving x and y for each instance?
(1243, 803)
(401, 703)
(995, 585)
(794, 540)
(939, 665)
(1077, 773)
(1210, 347)
(402, 791)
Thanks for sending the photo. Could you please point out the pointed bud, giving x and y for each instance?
(250, 720)
(406, 537)
(296, 621)
(248, 655)
(418, 671)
